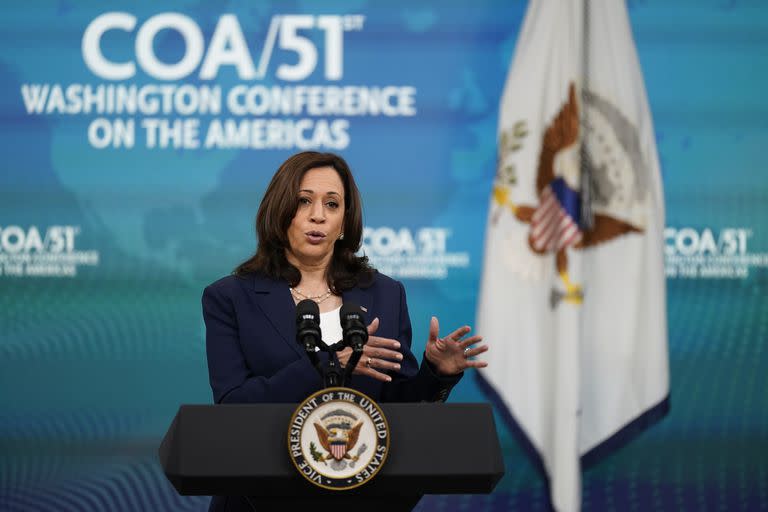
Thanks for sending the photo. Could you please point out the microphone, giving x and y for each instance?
(353, 329)
(309, 336)
(308, 326)
(354, 333)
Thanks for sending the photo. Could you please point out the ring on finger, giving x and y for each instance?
(466, 352)
(368, 362)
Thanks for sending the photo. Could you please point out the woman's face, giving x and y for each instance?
(319, 218)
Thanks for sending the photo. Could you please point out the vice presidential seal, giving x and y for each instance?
(338, 438)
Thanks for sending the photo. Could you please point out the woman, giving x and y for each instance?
(309, 227)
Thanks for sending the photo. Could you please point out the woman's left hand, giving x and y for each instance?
(379, 355)
(451, 355)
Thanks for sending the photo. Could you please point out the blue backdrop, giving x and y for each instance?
(131, 177)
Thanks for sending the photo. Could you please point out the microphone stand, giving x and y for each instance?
(309, 348)
(357, 352)
(332, 371)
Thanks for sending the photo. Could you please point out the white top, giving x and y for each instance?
(330, 325)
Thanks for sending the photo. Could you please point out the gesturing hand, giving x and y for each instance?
(451, 355)
(379, 354)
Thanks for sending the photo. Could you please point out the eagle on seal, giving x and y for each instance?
(337, 435)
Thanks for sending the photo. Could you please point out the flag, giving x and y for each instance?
(572, 295)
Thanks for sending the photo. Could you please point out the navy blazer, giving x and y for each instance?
(253, 355)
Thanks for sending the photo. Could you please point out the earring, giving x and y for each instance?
(341, 236)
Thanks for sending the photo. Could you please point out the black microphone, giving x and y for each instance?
(355, 335)
(353, 329)
(309, 336)
(308, 326)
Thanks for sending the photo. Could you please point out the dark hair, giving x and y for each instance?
(276, 212)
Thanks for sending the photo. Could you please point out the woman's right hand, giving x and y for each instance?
(379, 355)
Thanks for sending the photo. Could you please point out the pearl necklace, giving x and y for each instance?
(298, 296)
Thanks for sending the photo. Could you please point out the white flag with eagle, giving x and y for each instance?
(573, 293)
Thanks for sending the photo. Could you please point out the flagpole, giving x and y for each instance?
(587, 221)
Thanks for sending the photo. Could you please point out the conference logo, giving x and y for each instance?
(710, 253)
(338, 438)
(33, 251)
(403, 253)
(182, 106)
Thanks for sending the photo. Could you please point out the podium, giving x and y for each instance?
(241, 450)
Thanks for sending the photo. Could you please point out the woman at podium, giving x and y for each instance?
(309, 228)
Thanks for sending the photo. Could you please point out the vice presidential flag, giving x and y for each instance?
(573, 291)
